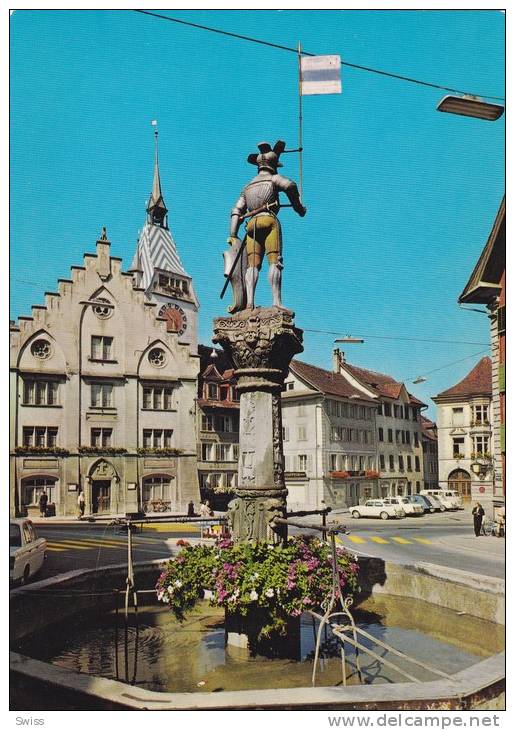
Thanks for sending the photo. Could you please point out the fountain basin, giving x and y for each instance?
(191, 660)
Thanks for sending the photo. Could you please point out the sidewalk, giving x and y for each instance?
(73, 520)
(482, 545)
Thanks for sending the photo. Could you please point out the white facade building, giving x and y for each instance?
(104, 382)
(465, 435)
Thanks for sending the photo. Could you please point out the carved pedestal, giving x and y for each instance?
(260, 343)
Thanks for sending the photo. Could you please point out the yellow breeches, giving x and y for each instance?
(263, 236)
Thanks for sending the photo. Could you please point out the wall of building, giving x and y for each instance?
(67, 323)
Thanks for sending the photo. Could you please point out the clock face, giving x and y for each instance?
(176, 320)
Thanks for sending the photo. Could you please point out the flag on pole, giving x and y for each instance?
(320, 75)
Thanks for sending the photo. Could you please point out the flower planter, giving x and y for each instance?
(242, 636)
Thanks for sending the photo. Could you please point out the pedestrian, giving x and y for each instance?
(500, 518)
(43, 501)
(478, 513)
(81, 504)
(205, 511)
(191, 509)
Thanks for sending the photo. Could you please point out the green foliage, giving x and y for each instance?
(270, 583)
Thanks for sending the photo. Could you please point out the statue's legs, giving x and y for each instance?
(251, 277)
(274, 277)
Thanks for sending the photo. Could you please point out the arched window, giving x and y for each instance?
(33, 487)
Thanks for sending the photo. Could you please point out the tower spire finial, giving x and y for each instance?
(156, 208)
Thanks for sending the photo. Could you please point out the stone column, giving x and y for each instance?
(260, 343)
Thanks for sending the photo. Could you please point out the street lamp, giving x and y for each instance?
(354, 340)
(470, 106)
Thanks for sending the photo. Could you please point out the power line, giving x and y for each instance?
(406, 339)
(261, 42)
(442, 367)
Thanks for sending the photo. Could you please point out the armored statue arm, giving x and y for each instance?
(290, 188)
(240, 208)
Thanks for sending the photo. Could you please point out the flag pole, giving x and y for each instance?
(299, 52)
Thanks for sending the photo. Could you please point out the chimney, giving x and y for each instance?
(337, 359)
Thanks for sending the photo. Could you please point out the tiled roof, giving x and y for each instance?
(385, 385)
(428, 428)
(326, 381)
(477, 382)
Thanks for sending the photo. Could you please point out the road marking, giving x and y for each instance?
(84, 545)
(52, 549)
(173, 527)
(64, 546)
(402, 541)
(355, 538)
(380, 540)
(423, 540)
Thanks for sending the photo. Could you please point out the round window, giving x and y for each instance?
(103, 310)
(41, 349)
(157, 357)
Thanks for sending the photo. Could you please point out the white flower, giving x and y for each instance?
(178, 584)
(170, 590)
(356, 557)
(160, 596)
(253, 596)
(236, 593)
(166, 599)
(270, 547)
(269, 593)
(254, 576)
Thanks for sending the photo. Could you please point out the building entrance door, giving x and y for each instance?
(101, 496)
(460, 481)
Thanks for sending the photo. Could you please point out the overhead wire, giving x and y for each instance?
(448, 365)
(391, 337)
(280, 47)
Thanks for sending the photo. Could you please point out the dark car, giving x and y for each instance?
(422, 501)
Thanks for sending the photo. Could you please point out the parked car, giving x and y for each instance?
(27, 551)
(438, 506)
(409, 507)
(377, 508)
(423, 502)
(448, 502)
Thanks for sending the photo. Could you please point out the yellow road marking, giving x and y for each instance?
(83, 545)
(93, 542)
(402, 541)
(355, 538)
(423, 540)
(380, 540)
(56, 549)
(65, 546)
(173, 527)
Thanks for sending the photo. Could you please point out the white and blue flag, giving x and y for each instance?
(320, 75)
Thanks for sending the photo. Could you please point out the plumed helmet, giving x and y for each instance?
(268, 159)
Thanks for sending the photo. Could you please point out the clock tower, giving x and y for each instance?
(159, 271)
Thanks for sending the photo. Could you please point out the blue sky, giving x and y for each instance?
(400, 198)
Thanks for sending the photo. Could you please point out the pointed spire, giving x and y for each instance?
(156, 208)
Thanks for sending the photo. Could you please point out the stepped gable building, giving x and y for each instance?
(465, 435)
(430, 452)
(487, 286)
(104, 383)
(218, 415)
(329, 439)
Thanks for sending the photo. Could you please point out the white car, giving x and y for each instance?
(411, 508)
(377, 508)
(447, 502)
(27, 551)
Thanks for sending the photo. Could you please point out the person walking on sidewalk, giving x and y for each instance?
(81, 504)
(478, 513)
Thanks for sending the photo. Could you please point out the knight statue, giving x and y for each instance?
(259, 204)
